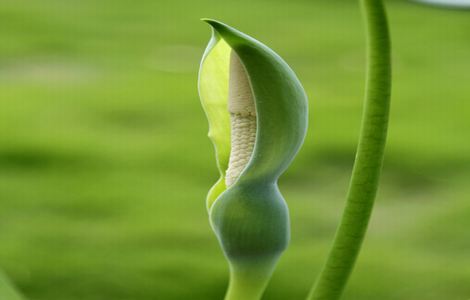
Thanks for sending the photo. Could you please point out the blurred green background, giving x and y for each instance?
(105, 163)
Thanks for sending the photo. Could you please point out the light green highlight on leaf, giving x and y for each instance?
(213, 90)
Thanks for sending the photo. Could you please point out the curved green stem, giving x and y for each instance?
(369, 157)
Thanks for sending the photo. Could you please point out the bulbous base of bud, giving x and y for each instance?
(251, 222)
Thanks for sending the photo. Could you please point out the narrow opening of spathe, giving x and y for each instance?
(243, 125)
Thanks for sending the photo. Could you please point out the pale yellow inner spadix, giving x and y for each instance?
(242, 119)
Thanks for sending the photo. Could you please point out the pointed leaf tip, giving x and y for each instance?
(213, 23)
(221, 27)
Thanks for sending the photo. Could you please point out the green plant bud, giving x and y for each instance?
(257, 113)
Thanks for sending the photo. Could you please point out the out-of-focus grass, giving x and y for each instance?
(7, 291)
(104, 163)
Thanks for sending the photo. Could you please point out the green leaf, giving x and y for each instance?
(280, 100)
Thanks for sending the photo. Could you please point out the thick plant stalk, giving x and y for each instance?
(369, 157)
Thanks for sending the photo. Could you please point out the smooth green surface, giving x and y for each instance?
(104, 161)
(369, 158)
(251, 218)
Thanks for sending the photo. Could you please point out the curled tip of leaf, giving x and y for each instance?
(208, 20)
(212, 22)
